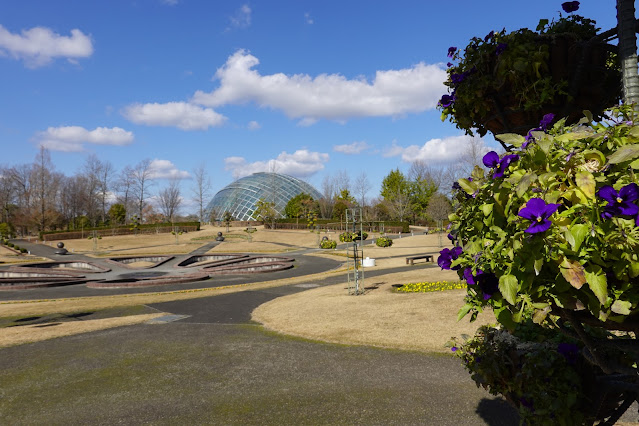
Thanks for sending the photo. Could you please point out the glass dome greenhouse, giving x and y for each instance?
(239, 197)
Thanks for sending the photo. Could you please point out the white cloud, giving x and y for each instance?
(437, 151)
(242, 17)
(38, 46)
(72, 138)
(328, 96)
(302, 163)
(351, 148)
(254, 125)
(308, 19)
(165, 169)
(179, 114)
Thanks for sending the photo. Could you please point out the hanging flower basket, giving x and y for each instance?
(506, 82)
(581, 72)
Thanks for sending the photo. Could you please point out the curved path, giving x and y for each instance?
(303, 265)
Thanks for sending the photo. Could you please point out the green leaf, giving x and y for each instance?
(625, 153)
(487, 209)
(573, 272)
(586, 183)
(635, 164)
(633, 270)
(511, 139)
(597, 282)
(464, 311)
(634, 132)
(525, 182)
(539, 263)
(467, 186)
(545, 144)
(542, 23)
(621, 307)
(540, 315)
(579, 232)
(508, 286)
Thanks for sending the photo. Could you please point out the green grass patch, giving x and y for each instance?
(427, 287)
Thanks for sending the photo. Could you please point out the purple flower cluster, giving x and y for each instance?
(451, 51)
(570, 6)
(447, 256)
(543, 126)
(487, 282)
(447, 100)
(621, 203)
(538, 212)
(493, 161)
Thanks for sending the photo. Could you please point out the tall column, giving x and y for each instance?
(626, 28)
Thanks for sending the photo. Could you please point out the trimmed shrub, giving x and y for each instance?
(328, 244)
(384, 242)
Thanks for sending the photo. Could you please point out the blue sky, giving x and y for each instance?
(309, 89)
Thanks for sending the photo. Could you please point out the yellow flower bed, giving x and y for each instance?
(427, 287)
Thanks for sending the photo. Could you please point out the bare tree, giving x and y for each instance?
(342, 181)
(105, 179)
(439, 207)
(329, 192)
(169, 199)
(44, 184)
(7, 194)
(140, 176)
(91, 171)
(471, 156)
(202, 189)
(361, 187)
(124, 187)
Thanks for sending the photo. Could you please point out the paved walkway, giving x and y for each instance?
(217, 367)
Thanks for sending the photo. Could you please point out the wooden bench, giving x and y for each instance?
(412, 259)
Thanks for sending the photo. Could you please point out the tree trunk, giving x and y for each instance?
(626, 30)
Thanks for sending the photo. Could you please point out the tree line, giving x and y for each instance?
(36, 197)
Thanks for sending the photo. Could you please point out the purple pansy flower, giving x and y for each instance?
(543, 126)
(620, 203)
(451, 51)
(454, 349)
(449, 64)
(447, 100)
(538, 212)
(546, 120)
(491, 159)
(457, 78)
(503, 165)
(570, 6)
(489, 36)
(488, 283)
(470, 278)
(446, 257)
(500, 48)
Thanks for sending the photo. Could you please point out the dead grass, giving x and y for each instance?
(380, 317)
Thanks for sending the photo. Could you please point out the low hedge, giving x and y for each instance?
(147, 228)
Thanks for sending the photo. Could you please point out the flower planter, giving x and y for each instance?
(591, 86)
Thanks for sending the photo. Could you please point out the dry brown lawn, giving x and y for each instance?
(379, 317)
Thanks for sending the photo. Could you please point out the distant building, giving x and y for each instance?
(239, 198)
